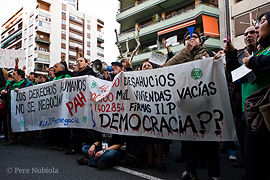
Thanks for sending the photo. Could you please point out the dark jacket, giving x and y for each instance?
(11, 86)
(185, 56)
(86, 71)
(233, 61)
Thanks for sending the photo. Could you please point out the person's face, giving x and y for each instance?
(116, 69)
(106, 73)
(250, 37)
(42, 79)
(147, 66)
(16, 77)
(264, 28)
(63, 56)
(124, 63)
(81, 64)
(51, 71)
(75, 68)
(197, 39)
(56, 68)
(31, 77)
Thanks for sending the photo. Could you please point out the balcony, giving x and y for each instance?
(137, 8)
(100, 40)
(43, 18)
(38, 40)
(43, 29)
(41, 49)
(211, 43)
(42, 60)
(12, 40)
(171, 20)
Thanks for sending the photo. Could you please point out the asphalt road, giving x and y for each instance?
(37, 162)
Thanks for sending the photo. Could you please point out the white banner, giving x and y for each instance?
(8, 56)
(182, 102)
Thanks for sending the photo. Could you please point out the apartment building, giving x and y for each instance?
(11, 36)
(73, 3)
(241, 15)
(50, 28)
(161, 19)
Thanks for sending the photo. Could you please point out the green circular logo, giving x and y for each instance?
(84, 119)
(196, 73)
(93, 84)
(22, 122)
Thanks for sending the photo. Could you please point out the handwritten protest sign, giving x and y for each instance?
(240, 72)
(157, 58)
(181, 102)
(171, 40)
(8, 56)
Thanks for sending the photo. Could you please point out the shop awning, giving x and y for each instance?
(180, 26)
(210, 26)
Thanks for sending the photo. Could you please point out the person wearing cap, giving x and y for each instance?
(192, 51)
(117, 68)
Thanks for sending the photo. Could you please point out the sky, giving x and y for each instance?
(103, 9)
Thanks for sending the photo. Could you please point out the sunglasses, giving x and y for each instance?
(251, 32)
(194, 36)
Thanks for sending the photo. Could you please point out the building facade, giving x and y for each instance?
(73, 3)
(242, 14)
(51, 28)
(161, 19)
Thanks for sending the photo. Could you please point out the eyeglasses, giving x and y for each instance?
(188, 37)
(251, 32)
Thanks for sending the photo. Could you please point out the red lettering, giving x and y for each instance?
(77, 103)
(81, 98)
(70, 107)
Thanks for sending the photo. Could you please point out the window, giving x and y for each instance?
(75, 27)
(75, 45)
(72, 53)
(64, 13)
(44, 24)
(63, 50)
(76, 36)
(63, 41)
(75, 18)
(63, 21)
(99, 54)
(63, 31)
(88, 22)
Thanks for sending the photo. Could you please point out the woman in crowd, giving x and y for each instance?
(258, 142)
(146, 65)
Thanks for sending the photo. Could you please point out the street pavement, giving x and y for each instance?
(38, 162)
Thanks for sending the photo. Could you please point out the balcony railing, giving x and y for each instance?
(41, 40)
(42, 60)
(169, 16)
(41, 49)
(43, 29)
(131, 6)
(11, 34)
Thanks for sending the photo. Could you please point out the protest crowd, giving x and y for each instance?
(249, 98)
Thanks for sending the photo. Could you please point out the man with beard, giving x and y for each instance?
(234, 61)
